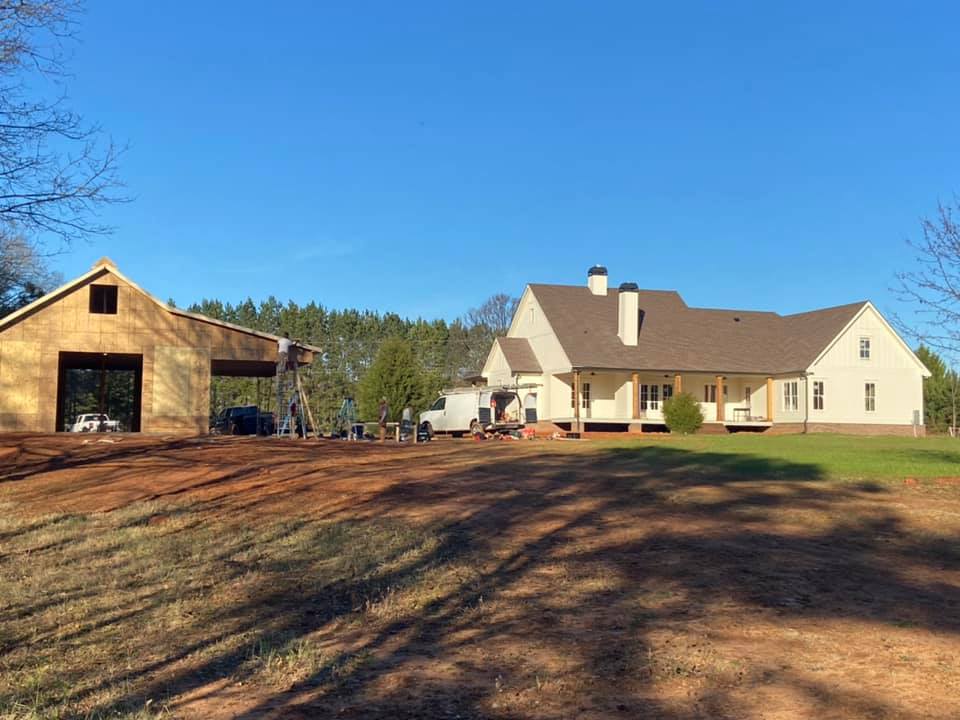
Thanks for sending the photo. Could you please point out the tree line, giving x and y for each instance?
(365, 355)
(941, 392)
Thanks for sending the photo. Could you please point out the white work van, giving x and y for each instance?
(473, 410)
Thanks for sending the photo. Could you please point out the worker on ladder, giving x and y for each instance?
(283, 353)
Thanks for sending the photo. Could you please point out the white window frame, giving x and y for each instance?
(820, 396)
(791, 396)
(870, 397)
(585, 395)
(869, 347)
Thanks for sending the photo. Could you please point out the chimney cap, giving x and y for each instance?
(629, 287)
(596, 270)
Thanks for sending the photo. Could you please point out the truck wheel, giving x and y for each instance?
(476, 428)
(429, 430)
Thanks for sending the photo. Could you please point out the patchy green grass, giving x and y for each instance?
(834, 457)
(105, 615)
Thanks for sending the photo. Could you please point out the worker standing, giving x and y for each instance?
(384, 413)
(406, 423)
(283, 352)
(294, 418)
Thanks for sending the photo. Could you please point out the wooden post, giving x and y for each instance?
(720, 403)
(576, 398)
(677, 384)
(635, 379)
(102, 403)
(769, 399)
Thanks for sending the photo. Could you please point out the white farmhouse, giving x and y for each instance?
(591, 358)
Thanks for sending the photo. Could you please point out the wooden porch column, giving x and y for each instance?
(576, 397)
(720, 403)
(677, 384)
(635, 380)
(769, 399)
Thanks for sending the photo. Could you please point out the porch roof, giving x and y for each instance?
(519, 355)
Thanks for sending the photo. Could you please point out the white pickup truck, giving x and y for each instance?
(95, 422)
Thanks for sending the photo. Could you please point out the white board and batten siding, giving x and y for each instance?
(531, 323)
(892, 368)
(496, 370)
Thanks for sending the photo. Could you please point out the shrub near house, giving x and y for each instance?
(682, 414)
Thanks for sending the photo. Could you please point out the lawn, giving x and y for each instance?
(836, 457)
(675, 578)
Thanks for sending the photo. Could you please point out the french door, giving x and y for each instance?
(649, 398)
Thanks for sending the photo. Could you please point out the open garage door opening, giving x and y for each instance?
(242, 397)
(105, 388)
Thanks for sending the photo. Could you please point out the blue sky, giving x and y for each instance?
(418, 157)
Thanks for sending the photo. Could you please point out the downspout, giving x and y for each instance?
(806, 401)
(516, 384)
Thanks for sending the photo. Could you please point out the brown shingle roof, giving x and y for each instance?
(677, 337)
(520, 356)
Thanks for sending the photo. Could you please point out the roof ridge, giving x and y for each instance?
(844, 306)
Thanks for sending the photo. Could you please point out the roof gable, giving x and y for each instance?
(865, 308)
(104, 267)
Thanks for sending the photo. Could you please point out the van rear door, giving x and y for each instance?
(484, 415)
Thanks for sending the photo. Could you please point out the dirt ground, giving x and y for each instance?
(607, 582)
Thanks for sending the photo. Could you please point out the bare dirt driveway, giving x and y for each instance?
(675, 579)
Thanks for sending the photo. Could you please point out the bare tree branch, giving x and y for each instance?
(56, 170)
(932, 289)
(24, 275)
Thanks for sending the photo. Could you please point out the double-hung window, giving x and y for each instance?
(791, 397)
(864, 348)
(870, 397)
(818, 394)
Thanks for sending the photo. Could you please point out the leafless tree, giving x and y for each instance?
(23, 274)
(495, 314)
(474, 334)
(56, 170)
(933, 286)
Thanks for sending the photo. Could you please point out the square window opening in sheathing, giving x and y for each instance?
(103, 299)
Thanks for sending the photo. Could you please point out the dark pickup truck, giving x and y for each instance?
(243, 420)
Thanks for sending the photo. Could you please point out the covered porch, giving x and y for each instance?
(636, 399)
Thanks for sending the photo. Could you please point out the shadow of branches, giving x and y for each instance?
(549, 582)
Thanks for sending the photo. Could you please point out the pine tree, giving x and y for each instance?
(396, 375)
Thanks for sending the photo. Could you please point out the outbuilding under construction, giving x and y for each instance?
(103, 337)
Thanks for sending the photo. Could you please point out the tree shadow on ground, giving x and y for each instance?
(595, 584)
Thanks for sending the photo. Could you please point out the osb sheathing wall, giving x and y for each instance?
(177, 352)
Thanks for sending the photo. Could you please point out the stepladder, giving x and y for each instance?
(294, 416)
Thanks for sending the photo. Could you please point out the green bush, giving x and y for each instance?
(682, 414)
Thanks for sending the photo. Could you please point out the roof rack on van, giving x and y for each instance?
(488, 388)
